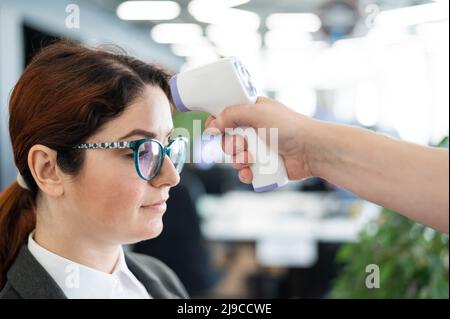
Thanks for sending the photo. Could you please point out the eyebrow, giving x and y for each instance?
(143, 133)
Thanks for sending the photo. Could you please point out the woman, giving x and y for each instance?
(90, 132)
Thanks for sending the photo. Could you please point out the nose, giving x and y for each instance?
(168, 175)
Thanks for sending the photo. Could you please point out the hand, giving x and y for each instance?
(293, 132)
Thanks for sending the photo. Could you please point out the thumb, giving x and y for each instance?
(235, 116)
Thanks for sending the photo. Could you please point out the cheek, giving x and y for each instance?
(111, 188)
(117, 196)
(106, 201)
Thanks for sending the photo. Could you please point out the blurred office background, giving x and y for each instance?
(380, 64)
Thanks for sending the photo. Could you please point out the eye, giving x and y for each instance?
(143, 153)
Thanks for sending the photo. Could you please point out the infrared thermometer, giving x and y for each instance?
(211, 88)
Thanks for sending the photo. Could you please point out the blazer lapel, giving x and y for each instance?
(150, 281)
(30, 279)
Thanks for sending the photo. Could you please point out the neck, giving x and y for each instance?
(78, 248)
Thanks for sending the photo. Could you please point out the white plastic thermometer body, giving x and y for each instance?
(213, 87)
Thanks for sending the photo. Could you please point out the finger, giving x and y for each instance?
(233, 144)
(236, 115)
(241, 160)
(245, 175)
(210, 128)
(210, 120)
(242, 114)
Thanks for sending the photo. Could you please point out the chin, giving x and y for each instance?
(153, 230)
(145, 230)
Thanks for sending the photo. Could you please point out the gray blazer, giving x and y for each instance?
(27, 279)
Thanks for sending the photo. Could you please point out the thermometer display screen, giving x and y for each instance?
(245, 78)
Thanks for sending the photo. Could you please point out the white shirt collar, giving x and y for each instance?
(78, 281)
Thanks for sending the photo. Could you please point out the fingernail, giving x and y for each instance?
(213, 124)
(216, 124)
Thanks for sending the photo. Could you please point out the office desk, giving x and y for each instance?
(286, 226)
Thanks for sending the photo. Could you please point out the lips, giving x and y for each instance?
(160, 202)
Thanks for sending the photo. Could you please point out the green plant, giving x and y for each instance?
(413, 260)
(186, 120)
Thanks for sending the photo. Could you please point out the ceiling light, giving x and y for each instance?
(148, 10)
(216, 13)
(307, 22)
(177, 33)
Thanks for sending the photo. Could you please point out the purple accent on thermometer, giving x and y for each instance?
(266, 188)
(176, 95)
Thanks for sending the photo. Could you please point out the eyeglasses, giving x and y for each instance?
(148, 154)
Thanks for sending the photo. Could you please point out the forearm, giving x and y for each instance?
(407, 178)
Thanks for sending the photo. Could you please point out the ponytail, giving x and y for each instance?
(17, 220)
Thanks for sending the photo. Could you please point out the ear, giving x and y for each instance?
(43, 167)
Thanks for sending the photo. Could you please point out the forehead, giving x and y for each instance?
(149, 112)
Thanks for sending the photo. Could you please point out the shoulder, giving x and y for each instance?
(161, 271)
